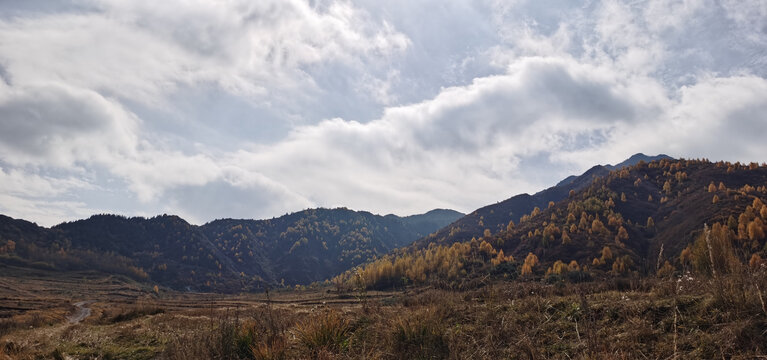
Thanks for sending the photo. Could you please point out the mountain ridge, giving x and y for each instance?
(224, 254)
(495, 217)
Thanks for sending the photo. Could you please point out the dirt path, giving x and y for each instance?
(81, 311)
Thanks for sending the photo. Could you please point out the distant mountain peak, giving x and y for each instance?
(636, 158)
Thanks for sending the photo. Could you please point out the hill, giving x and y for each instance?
(496, 217)
(223, 255)
(636, 221)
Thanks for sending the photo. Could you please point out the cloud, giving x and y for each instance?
(54, 124)
(469, 137)
(39, 198)
(254, 109)
(257, 50)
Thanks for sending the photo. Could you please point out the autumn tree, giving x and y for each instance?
(732, 224)
(573, 266)
(622, 235)
(583, 224)
(756, 230)
(607, 254)
(558, 268)
(650, 223)
(711, 187)
(486, 249)
(597, 227)
(667, 187)
(622, 265)
(530, 262)
(550, 232)
(510, 226)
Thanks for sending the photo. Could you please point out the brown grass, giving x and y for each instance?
(674, 317)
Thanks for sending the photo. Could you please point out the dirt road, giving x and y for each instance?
(81, 311)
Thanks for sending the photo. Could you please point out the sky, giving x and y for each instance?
(253, 109)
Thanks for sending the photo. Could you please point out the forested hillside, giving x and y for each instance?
(637, 221)
(496, 217)
(224, 255)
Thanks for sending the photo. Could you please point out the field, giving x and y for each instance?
(621, 318)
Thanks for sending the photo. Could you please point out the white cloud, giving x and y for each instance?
(144, 50)
(391, 107)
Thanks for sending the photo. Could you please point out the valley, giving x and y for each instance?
(655, 259)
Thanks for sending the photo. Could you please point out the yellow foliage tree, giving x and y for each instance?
(570, 218)
(756, 229)
(530, 262)
(583, 224)
(667, 187)
(622, 235)
(573, 266)
(597, 227)
(558, 268)
(607, 254)
(622, 265)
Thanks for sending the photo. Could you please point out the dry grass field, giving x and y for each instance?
(624, 319)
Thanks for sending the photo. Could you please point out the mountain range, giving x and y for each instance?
(644, 219)
(621, 219)
(223, 255)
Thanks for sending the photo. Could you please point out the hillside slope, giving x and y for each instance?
(636, 221)
(223, 255)
(496, 217)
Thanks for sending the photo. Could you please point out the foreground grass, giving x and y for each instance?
(633, 320)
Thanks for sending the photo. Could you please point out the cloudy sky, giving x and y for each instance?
(251, 109)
